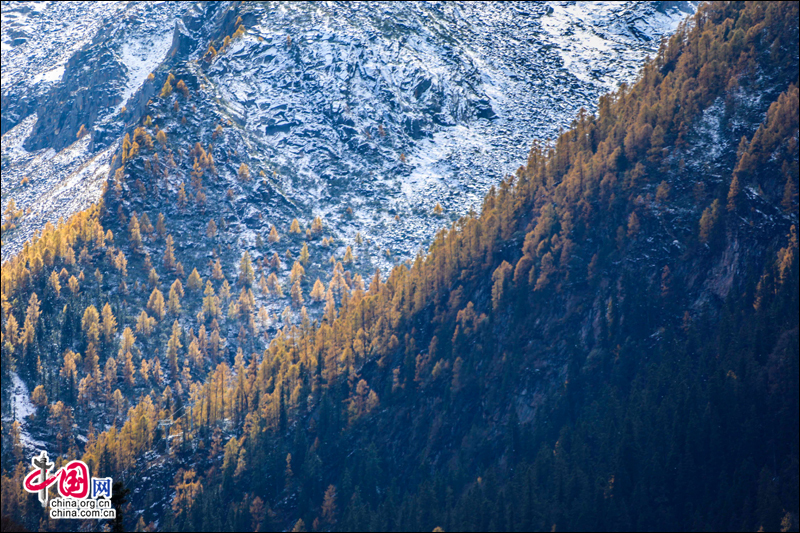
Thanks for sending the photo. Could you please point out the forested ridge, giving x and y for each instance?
(612, 343)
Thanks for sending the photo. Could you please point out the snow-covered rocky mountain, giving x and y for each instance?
(387, 109)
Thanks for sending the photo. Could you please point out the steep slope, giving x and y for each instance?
(605, 347)
(364, 108)
(611, 343)
(126, 42)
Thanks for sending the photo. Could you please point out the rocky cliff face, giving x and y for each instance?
(385, 109)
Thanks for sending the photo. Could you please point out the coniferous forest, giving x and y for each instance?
(611, 343)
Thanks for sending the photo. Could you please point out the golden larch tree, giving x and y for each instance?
(244, 172)
(273, 235)
(156, 303)
(169, 253)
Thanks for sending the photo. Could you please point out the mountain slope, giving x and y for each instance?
(352, 111)
(612, 343)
